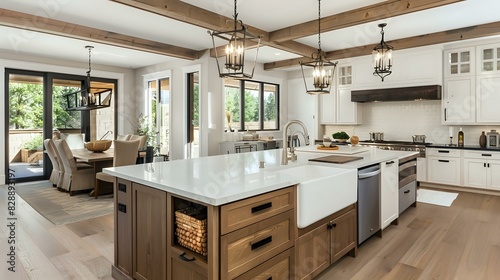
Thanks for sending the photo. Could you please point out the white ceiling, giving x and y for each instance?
(263, 14)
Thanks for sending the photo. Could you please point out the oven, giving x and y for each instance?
(407, 182)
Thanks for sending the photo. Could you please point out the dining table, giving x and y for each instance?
(98, 160)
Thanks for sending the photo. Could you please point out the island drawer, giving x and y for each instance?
(278, 267)
(245, 212)
(407, 196)
(248, 247)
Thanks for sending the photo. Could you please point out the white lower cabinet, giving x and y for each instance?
(482, 170)
(389, 198)
(443, 166)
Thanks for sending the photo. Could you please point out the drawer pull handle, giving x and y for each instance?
(270, 278)
(407, 191)
(122, 188)
(443, 151)
(442, 160)
(122, 208)
(486, 155)
(389, 162)
(262, 207)
(261, 243)
(182, 257)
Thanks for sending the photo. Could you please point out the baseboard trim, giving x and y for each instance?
(458, 188)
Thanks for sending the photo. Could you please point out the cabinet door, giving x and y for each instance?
(459, 62)
(487, 100)
(474, 173)
(343, 235)
(493, 174)
(185, 269)
(443, 170)
(347, 111)
(389, 199)
(327, 108)
(459, 101)
(150, 232)
(312, 253)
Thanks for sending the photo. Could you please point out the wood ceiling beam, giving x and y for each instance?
(466, 33)
(60, 28)
(187, 13)
(363, 15)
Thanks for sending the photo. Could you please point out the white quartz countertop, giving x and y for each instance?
(217, 180)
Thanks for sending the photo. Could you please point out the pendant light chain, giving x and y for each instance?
(235, 15)
(319, 24)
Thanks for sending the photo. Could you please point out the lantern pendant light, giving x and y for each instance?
(323, 69)
(382, 57)
(89, 98)
(239, 39)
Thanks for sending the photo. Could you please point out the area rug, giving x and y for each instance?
(436, 197)
(61, 208)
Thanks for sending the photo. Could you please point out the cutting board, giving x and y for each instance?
(336, 159)
(321, 147)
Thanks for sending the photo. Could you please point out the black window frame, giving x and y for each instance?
(242, 126)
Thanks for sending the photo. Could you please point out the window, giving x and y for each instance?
(251, 105)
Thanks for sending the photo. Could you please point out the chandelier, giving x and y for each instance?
(323, 69)
(238, 40)
(382, 57)
(88, 98)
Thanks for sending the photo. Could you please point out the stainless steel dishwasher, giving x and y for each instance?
(368, 202)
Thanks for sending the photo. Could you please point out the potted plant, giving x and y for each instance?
(340, 136)
(145, 127)
(31, 147)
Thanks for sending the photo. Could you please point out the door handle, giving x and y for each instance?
(442, 160)
(407, 191)
(182, 257)
(262, 242)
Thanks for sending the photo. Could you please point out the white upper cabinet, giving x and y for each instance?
(459, 62)
(488, 99)
(459, 101)
(336, 107)
(488, 59)
(459, 90)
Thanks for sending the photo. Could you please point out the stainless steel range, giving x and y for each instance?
(397, 146)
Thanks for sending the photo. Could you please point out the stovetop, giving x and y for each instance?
(385, 142)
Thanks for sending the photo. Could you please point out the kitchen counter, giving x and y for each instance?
(217, 180)
(465, 147)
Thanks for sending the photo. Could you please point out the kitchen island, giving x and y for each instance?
(251, 221)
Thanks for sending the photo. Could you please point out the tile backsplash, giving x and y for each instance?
(401, 120)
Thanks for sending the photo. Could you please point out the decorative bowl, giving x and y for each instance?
(98, 146)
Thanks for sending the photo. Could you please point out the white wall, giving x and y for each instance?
(126, 104)
(212, 101)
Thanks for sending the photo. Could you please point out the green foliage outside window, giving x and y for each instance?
(26, 107)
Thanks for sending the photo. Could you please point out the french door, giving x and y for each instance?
(34, 108)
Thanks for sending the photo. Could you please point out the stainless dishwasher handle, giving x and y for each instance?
(369, 174)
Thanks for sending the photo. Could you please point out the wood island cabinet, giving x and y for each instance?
(253, 238)
(324, 242)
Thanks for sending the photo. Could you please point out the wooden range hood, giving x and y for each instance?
(397, 94)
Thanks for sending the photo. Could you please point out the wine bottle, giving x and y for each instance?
(460, 138)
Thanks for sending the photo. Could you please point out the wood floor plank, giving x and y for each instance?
(403, 271)
(444, 263)
(476, 253)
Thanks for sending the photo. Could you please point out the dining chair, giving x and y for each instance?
(123, 137)
(124, 153)
(142, 139)
(56, 170)
(77, 175)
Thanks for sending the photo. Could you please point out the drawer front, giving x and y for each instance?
(407, 196)
(443, 152)
(245, 212)
(248, 247)
(482, 155)
(277, 268)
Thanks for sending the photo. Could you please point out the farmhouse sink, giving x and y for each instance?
(322, 191)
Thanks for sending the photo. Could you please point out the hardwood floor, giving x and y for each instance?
(430, 242)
